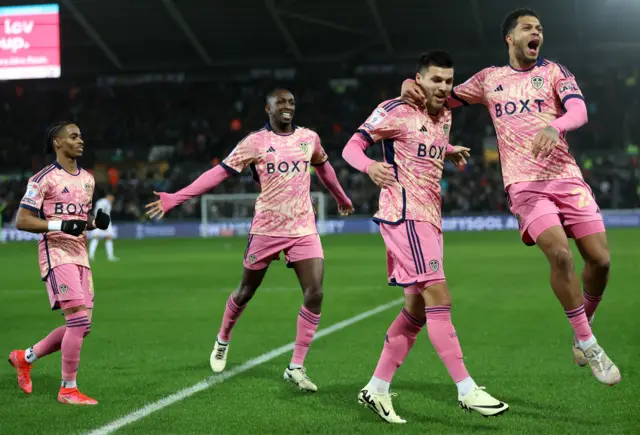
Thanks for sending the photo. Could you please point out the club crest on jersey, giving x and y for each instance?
(445, 128)
(304, 147)
(537, 82)
(63, 289)
(252, 259)
(88, 188)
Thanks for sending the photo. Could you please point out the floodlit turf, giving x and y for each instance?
(158, 310)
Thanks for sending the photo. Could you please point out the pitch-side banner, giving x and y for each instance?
(612, 219)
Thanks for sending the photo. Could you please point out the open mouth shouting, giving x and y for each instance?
(533, 47)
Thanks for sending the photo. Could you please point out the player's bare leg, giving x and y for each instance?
(78, 327)
(564, 281)
(399, 340)
(594, 250)
(310, 274)
(236, 303)
(443, 336)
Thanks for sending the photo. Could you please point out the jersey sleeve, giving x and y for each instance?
(35, 195)
(242, 156)
(382, 123)
(565, 85)
(319, 156)
(471, 91)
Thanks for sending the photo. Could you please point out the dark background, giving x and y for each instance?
(192, 74)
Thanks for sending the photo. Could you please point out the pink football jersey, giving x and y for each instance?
(55, 194)
(281, 163)
(415, 143)
(521, 104)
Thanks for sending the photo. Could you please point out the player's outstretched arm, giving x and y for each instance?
(27, 220)
(204, 183)
(329, 178)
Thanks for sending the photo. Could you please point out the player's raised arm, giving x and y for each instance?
(413, 94)
(241, 156)
(469, 92)
(329, 179)
(28, 214)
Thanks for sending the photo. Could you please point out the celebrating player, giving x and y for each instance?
(415, 143)
(533, 103)
(280, 156)
(57, 204)
(105, 205)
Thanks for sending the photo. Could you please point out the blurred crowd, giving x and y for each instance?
(161, 136)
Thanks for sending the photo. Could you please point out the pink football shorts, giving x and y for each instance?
(539, 205)
(262, 250)
(70, 285)
(414, 255)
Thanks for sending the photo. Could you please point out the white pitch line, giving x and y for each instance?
(217, 379)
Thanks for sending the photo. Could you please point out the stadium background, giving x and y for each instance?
(163, 89)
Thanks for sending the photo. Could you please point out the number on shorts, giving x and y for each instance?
(585, 197)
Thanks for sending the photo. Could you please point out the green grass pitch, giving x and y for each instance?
(158, 310)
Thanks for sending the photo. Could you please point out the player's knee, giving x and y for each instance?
(243, 294)
(602, 262)
(437, 294)
(561, 259)
(313, 295)
(414, 304)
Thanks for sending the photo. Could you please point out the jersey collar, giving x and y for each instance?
(59, 166)
(539, 62)
(268, 127)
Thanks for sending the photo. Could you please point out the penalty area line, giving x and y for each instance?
(219, 378)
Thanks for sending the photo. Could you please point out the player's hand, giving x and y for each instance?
(459, 155)
(545, 142)
(73, 227)
(381, 174)
(413, 95)
(346, 208)
(155, 209)
(102, 220)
